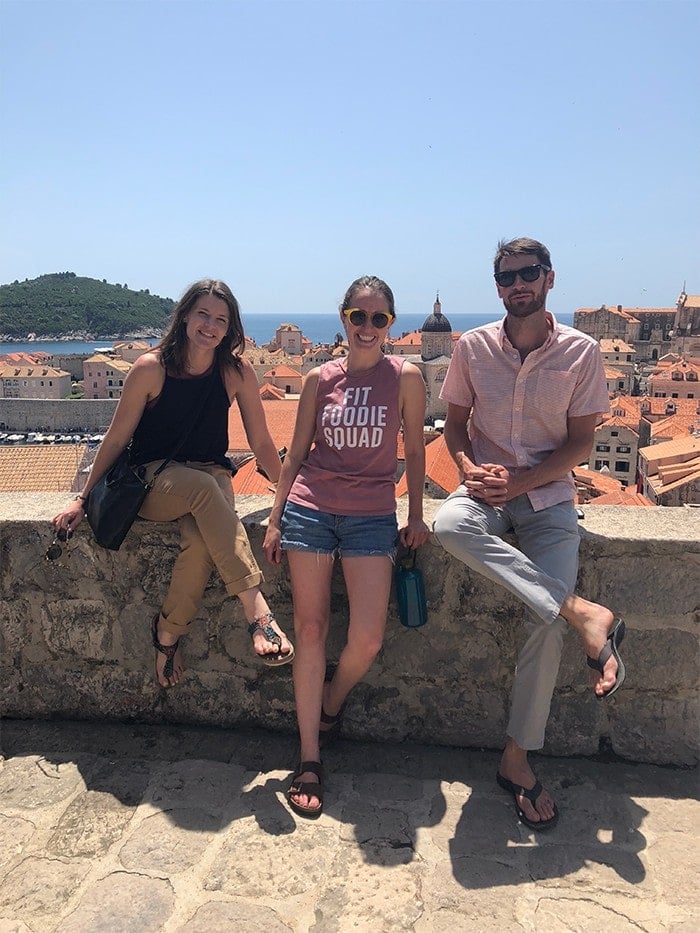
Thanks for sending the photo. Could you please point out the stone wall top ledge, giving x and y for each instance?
(678, 525)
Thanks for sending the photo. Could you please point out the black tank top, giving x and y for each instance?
(163, 422)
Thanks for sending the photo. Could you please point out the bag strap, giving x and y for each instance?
(200, 408)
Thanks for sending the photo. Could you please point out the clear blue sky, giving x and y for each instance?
(288, 147)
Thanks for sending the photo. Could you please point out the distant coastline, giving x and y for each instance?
(318, 328)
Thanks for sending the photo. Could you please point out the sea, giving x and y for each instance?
(318, 328)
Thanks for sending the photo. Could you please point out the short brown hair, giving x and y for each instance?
(521, 245)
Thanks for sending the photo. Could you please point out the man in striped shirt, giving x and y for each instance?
(524, 396)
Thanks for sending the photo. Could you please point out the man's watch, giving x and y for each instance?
(80, 498)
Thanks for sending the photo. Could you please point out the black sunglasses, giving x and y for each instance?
(54, 550)
(528, 274)
(380, 319)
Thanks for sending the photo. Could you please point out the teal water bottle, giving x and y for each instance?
(410, 591)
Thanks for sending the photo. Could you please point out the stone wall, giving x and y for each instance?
(74, 640)
(64, 416)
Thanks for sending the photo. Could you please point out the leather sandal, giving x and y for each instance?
(167, 650)
(263, 624)
(310, 788)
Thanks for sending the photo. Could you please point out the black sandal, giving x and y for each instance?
(263, 624)
(167, 650)
(310, 788)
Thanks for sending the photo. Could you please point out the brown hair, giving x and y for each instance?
(368, 283)
(173, 346)
(519, 246)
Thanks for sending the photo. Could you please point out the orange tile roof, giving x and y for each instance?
(283, 370)
(597, 481)
(440, 468)
(407, 340)
(280, 416)
(24, 359)
(45, 468)
(248, 482)
(608, 345)
(625, 496)
(10, 370)
(270, 391)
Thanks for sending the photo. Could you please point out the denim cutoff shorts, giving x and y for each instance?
(305, 529)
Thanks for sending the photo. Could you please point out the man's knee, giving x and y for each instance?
(454, 526)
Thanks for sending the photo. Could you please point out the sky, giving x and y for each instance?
(289, 147)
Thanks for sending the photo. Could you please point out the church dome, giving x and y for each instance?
(436, 323)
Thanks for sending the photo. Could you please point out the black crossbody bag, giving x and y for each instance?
(115, 499)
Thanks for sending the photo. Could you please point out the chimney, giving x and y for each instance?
(619, 307)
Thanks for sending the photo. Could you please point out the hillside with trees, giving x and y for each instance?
(66, 304)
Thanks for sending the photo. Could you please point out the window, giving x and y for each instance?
(599, 464)
(614, 433)
(623, 450)
(622, 466)
(94, 385)
(602, 448)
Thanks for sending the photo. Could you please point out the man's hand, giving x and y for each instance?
(490, 482)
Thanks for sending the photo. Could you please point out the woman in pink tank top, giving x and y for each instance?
(336, 496)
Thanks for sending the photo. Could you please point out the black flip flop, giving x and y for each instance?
(611, 647)
(532, 795)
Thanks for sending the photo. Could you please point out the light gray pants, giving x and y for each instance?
(541, 574)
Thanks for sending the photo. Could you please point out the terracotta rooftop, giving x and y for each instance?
(270, 391)
(248, 482)
(407, 340)
(625, 496)
(283, 370)
(615, 346)
(46, 468)
(687, 448)
(11, 370)
(280, 416)
(440, 468)
(596, 481)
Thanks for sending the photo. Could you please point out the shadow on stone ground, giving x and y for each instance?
(187, 829)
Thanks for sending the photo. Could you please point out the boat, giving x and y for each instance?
(13, 438)
(50, 438)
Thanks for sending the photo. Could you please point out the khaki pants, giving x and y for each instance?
(200, 497)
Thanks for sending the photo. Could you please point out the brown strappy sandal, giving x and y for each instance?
(167, 650)
(263, 624)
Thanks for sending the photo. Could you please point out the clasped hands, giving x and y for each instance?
(490, 482)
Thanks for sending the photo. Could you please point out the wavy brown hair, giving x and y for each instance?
(173, 346)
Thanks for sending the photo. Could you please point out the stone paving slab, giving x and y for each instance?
(120, 827)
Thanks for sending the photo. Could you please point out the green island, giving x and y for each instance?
(64, 304)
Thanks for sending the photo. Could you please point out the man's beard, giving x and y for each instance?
(521, 309)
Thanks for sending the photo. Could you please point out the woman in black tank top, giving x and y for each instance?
(174, 406)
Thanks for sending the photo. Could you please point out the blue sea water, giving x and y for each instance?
(318, 328)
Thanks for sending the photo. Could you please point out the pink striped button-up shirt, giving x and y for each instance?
(519, 409)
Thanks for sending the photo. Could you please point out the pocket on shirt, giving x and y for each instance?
(554, 390)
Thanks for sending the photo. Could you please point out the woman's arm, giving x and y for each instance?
(144, 381)
(304, 432)
(412, 401)
(244, 386)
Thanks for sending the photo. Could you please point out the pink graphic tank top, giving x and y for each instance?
(351, 468)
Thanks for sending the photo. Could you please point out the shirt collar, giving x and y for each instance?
(507, 345)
